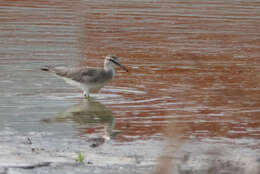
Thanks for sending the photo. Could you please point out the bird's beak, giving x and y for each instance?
(121, 66)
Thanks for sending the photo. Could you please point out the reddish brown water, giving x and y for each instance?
(196, 63)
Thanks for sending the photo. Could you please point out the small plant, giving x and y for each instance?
(80, 158)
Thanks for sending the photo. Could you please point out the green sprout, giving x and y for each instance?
(80, 158)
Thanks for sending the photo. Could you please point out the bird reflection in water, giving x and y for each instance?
(92, 117)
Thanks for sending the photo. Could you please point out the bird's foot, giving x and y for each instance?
(86, 95)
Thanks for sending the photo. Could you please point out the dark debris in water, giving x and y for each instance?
(28, 141)
(96, 142)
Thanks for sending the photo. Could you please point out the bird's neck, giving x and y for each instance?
(110, 71)
(108, 67)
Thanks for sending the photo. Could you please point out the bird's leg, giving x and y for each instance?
(86, 94)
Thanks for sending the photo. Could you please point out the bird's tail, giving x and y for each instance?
(46, 68)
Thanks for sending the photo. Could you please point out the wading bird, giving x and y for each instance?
(88, 79)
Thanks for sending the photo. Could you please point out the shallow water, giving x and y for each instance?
(194, 63)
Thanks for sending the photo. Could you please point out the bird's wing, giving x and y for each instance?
(80, 74)
(89, 75)
(67, 72)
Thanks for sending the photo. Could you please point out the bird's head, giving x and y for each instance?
(112, 61)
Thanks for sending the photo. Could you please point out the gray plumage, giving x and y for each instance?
(85, 78)
(84, 74)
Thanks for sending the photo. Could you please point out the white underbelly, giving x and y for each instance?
(84, 87)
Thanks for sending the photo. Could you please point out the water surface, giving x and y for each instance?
(194, 63)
